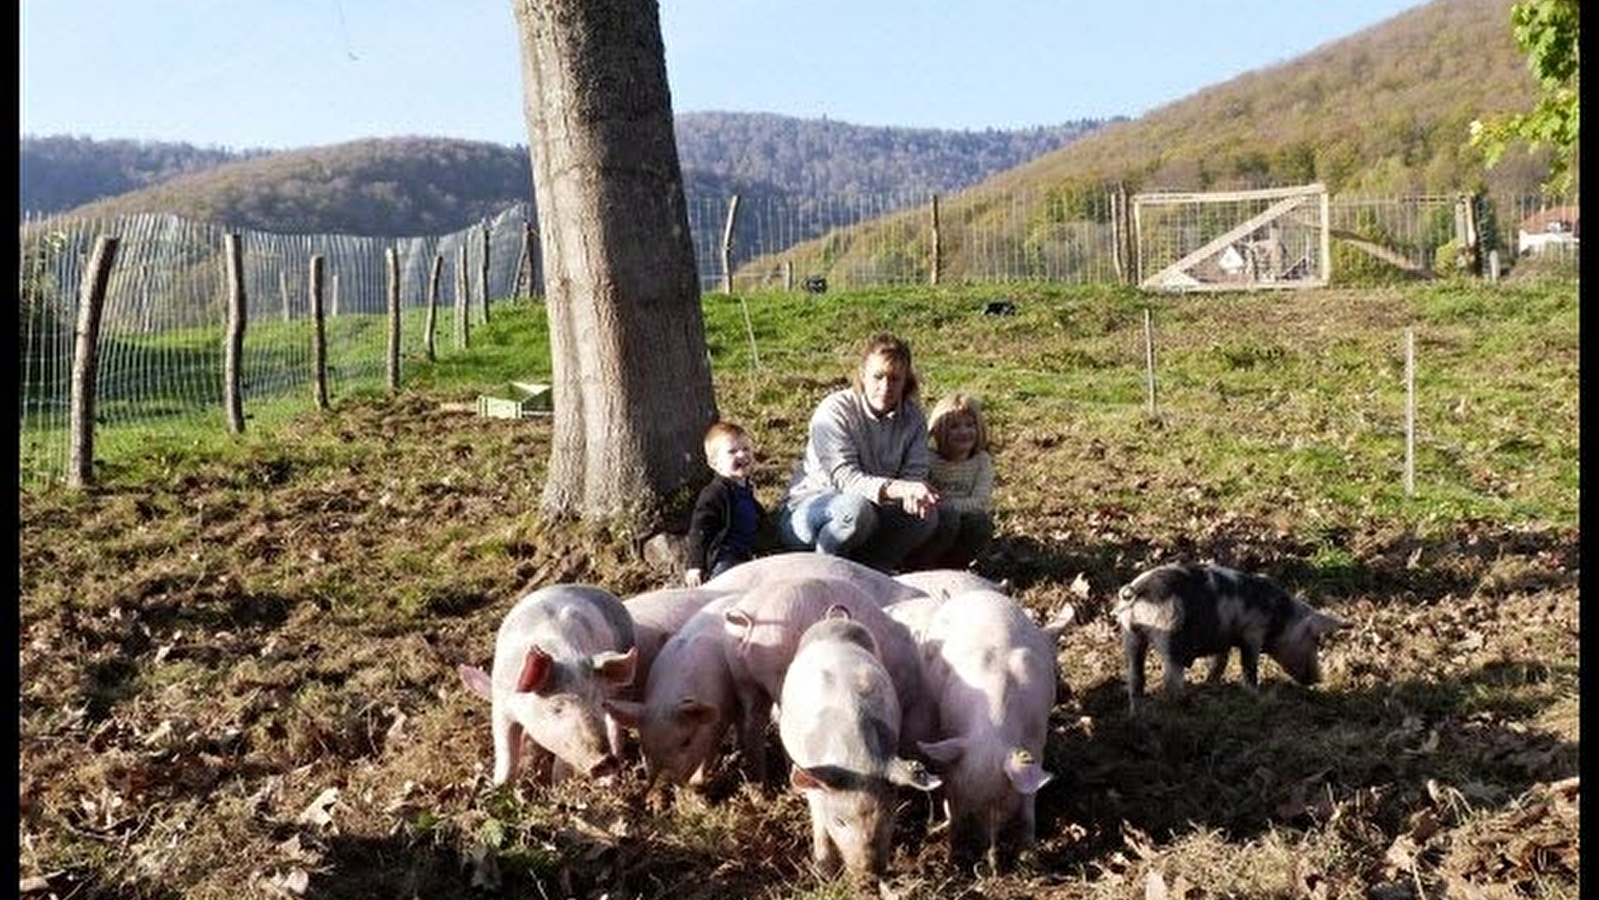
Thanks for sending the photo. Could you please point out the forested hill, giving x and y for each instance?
(1386, 111)
(416, 185)
(821, 157)
(63, 171)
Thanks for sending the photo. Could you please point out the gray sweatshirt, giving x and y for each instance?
(852, 451)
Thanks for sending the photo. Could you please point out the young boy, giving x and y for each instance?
(727, 515)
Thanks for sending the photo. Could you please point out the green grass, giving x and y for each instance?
(1255, 395)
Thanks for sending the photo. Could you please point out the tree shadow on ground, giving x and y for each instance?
(1243, 764)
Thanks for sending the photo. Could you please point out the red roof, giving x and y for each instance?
(1539, 222)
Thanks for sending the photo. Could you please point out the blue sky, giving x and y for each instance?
(298, 73)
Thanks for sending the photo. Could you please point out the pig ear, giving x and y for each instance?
(912, 774)
(946, 752)
(1062, 620)
(616, 669)
(802, 780)
(536, 668)
(629, 713)
(1321, 624)
(819, 778)
(476, 680)
(1025, 772)
(738, 625)
(695, 712)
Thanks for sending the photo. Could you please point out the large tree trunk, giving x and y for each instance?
(631, 383)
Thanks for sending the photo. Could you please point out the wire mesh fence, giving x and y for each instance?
(166, 303)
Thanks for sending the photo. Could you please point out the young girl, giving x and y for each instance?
(962, 472)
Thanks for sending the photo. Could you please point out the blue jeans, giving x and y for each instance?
(852, 526)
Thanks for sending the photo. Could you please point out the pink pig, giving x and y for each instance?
(688, 703)
(991, 670)
(806, 564)
(949, 582)
(560, 652)
(838, 719)
(764, 628)
(657, 615)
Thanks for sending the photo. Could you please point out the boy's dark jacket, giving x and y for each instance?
(712, 518)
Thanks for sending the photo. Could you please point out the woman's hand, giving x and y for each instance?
(916, 497)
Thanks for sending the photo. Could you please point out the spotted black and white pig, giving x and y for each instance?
(991, 671)
(1189, 610)
(560, 653)
(838, 718)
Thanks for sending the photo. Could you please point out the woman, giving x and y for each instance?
(861, 490)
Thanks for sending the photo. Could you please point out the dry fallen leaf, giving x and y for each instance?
(1138, 842)
(294, 882)
(1154, 886)
(1401, 855)
(319, 813)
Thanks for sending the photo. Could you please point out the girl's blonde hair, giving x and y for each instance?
(948, 407)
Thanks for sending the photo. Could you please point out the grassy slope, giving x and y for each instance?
(225, 632)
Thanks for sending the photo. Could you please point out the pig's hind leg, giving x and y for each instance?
(1218, 666)
(508, 738)
(1135, 647)
(1173, 672)
(1249, 661)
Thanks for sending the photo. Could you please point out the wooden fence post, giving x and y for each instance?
(431, 328)
(1135, 243)
(938, 247)
(531, 242)
(483, 272)
(788, 274)
(463, 301)
(233, 341)
(284, 294)
(1149, 360)
(1466, 235)
(1410, 412)
(1118, 232)
(727, 245)
(86, 361)
(393, 257)
(319, 336)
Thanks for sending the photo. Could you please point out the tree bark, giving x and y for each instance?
(630, 380)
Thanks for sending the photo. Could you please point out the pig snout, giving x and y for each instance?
(605, 768)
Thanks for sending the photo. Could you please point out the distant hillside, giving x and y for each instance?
(810, 156)
(409, 186)
(61, 172)
(1383, 113)
(389, 187)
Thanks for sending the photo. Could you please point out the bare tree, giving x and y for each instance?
(631, 382)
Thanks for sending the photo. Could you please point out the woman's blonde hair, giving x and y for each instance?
(947, 408)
